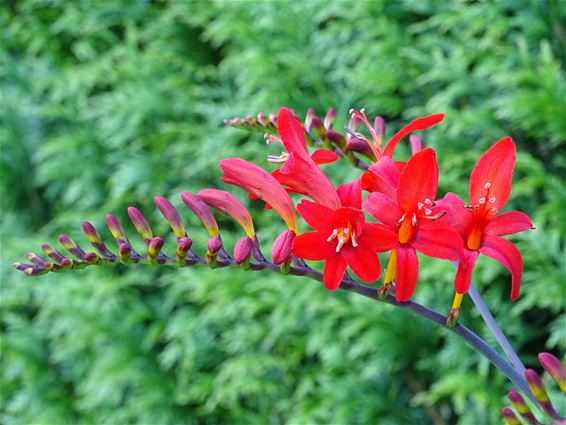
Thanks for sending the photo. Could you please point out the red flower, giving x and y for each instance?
(300, 173)
(342, 238)
(413, 216)
(480, 224)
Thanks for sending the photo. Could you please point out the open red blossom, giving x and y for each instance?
(342, 238)
(416, 221)
(300, 173)
(480, 225)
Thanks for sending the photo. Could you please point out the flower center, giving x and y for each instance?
(407, 227)
(344, 234)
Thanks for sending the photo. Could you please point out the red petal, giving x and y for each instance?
(418, 181)
(334, 270)
(508, 223)
(363, 262)
(383, 208)
(373, 183)
(388, 170)
(438, 241)
(324, 156)
(291, 132)
(378, 237)
(418, 124)
(351, 194)
(313, 246)
(496, 168)
(457, 216)
(464, 272)
(509, 256)
(407, 273)
(318, 216)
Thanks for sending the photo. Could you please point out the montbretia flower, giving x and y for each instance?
(375, 142)
(299, 172)
(480, 225)
(343, 238)
(259, 183)
(413, 217)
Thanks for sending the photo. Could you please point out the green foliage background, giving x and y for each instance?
(105, 104)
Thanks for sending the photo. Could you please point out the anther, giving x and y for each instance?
(492, 200)
(341, 242)
(481, 200)
(414, 219)
(400, 221)
(427, 211)
(420, 205)
(354, 241)
(487, 185)
(427, 201)
(333, 235)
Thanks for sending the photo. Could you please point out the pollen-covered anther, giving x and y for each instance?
(492, 200)
(427, 201)
(420, 205)
(427, 211)
(481, 200)
(487, 185)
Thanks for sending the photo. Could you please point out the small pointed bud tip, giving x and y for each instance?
(171, 215)
(281, 250)
(214, 244)
(124, 249)
(379, 126)
(140, 223)
(243, 249)
(155, 245)
(335, 137)
(509, 416)
(554, 368)
(452, 318)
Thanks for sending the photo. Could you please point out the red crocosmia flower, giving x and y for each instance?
(413, 216)
(300, 173)
(480, 224)
(388, 149)
(342, 238)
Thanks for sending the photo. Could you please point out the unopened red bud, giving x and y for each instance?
(416, 144)
(379, 126)
(318, 127)
(140, 223)
(214, 244)
(71, 246)
(537, 388)
(281, 250)
(554, 368)
(335, 137)
(125, 252)
(509, 417)
(522, 408)
(357, 145)
(329, 118)
(243, 249)
(154, 246)
(171, 215)
(92, 258)
(308, 120)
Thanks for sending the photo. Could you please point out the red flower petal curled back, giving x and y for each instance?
(480, 225)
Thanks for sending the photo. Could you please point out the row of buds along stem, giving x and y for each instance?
(522, 412)
(247, 251)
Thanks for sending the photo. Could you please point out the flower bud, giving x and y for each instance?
(95, 240)
(329, 118)
(183, 246)
(281, 250)
(537, 388)
(522, 408)
(509, 417)
(318, 127)
(140, 223)
(379, 126)
(71, 246)
(125, 252)
(416, 144)
(116, 229)
(554, 368)
(92, 258)
(171, 215)
(243, 249)
(36, 259)
(214, 245)
(154, 246)
(308, 120)
(336, 138)
(52, 253)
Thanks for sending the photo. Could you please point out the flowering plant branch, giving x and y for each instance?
(405, 216)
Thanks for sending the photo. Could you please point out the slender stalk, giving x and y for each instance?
(496, 330)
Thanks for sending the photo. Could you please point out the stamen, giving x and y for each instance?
(333, 235)
(487, 185)
(354, 241)
(492, 200)
(420, 205)
(414, 219)
(278, 159)
(400, 221)
(481, 200)
(427, 201)
(427, 211)
(341, 242)
(436, 216)
(271, 139)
